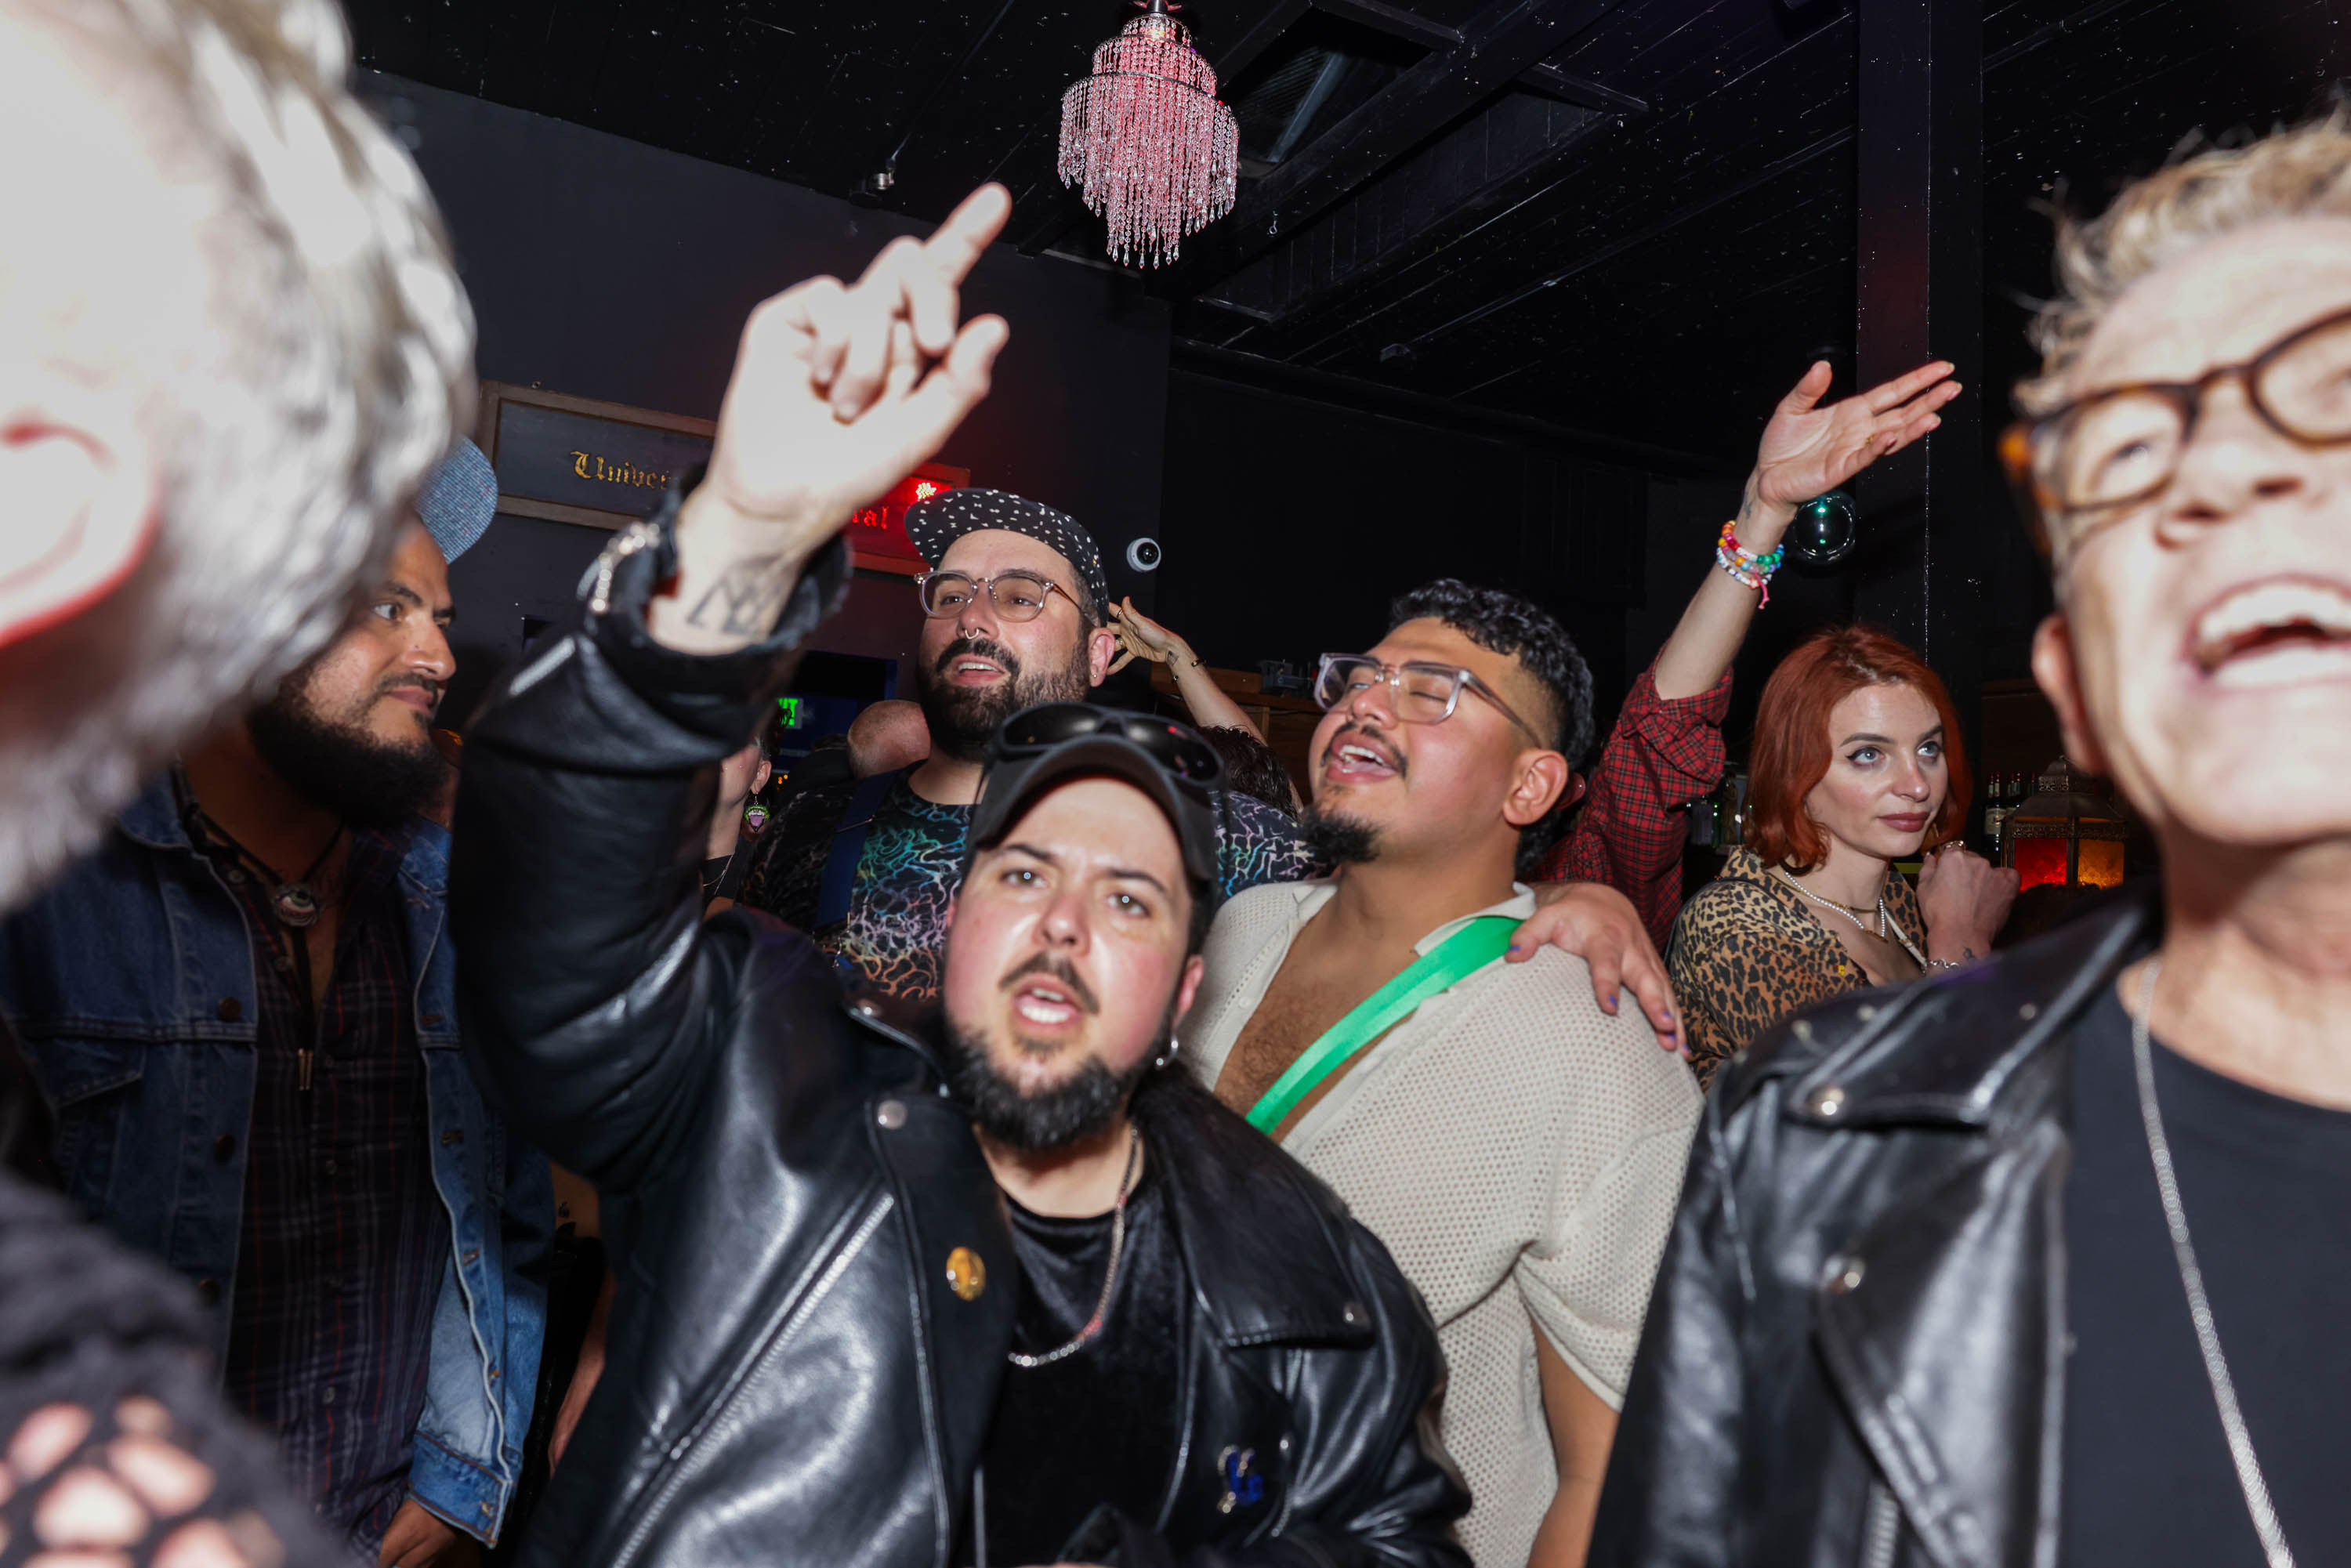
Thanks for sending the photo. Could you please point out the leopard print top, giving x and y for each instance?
(1747, 953)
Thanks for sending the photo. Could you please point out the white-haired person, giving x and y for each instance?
(2044, 1261)
(231, 347)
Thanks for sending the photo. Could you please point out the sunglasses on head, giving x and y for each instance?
(1036, 730)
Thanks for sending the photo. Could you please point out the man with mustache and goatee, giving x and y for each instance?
(242, 1007)
(1517, 1149)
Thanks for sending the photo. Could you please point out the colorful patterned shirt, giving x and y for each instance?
(896, 931)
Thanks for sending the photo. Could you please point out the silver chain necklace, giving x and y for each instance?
(1110, 1275)
(2199, 1307)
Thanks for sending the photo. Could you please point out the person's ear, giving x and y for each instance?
(1188, 987)
(81, 516)
(1101, 646)
(2060, 679)
(1543, 777)
(767, 770)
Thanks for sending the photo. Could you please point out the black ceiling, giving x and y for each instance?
(1630, 217)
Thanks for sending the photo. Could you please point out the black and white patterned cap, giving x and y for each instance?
(945, 517)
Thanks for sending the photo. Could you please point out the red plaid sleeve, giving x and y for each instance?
(1660, 756)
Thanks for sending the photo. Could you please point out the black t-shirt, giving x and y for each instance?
(2266, 1185)
(1100, 1426)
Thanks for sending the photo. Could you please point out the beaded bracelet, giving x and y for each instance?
(1744, 565)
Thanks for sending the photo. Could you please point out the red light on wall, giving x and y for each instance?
(881, 529)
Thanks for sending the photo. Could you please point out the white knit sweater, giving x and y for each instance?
(1518, 1150)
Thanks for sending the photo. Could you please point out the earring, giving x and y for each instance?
(1168, 1055)
(755, 815)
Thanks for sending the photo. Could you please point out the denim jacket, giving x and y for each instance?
(130, 984)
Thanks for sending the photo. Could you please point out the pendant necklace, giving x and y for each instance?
(294, 902)
(2191, 1278)
(1109, 1276)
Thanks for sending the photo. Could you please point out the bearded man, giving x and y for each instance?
(1015, 613)
(242, 1009)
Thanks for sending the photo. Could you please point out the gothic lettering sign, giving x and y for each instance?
(604, 464)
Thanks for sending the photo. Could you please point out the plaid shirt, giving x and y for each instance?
(1660, 756)
(344, 1239)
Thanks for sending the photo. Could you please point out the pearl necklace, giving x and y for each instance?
(1886, 924)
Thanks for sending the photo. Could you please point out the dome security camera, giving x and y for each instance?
(1143, 554)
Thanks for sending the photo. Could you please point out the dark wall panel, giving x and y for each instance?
(1290, 524)
(607, 268)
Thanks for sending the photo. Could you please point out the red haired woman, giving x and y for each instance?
(1856, 764)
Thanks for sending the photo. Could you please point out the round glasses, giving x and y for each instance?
(2120, 446)
(1425, 693)
(1018, 595)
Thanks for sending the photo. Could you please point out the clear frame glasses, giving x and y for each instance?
(1018, 595)
(1424, 693)
(2078, 465)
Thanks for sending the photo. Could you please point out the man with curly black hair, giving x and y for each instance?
(1517, 1148)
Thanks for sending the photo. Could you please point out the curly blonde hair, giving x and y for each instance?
(2300, 171)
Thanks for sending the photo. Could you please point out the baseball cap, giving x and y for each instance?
(1040, 747)
(938, 522)
(458, 500)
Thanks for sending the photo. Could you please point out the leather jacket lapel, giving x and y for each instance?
(1903, 1318)
(967, 1275)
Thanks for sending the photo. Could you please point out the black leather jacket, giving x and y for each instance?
(790, 1376)
(1855, 1351)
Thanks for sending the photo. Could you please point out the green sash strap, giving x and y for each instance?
(1471, 948)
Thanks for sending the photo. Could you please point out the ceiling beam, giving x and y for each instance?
(1552, 82)
(1277, 20)
(1548, 80)
(1394, 21)
(1498, 44)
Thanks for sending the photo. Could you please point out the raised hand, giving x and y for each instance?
(837, 392)
(1808, 449)
(1140, 635)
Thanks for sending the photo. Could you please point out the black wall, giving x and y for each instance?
(606, 268)
(1290, 523)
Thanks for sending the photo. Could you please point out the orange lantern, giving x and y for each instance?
(2064, 835)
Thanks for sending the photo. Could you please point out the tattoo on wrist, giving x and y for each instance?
(748, 597)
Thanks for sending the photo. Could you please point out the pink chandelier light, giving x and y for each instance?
(1146, 141)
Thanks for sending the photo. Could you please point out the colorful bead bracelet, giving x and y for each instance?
(1745, 566)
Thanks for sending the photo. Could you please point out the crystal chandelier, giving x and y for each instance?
(1145, 139)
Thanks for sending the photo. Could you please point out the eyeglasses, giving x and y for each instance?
(2120, 446)
(1034, 731)
(1017, 595)
(1425, 693)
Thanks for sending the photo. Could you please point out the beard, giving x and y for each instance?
(1084, 1106)
(1335, 839)
(338, 763)
(963, 719)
